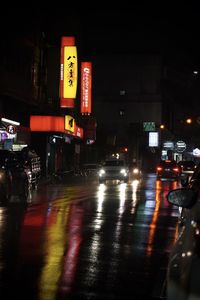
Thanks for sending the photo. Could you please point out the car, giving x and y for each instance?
(13, 179)
(31, 164)
(114, 169)
(187, 167)
(168, 169)
(183, 269)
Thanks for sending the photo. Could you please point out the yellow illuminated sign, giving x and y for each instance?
(69, 123)
(70, 72)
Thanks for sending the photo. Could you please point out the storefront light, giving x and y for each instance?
(10, 121)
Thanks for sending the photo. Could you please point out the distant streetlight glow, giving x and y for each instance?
(188, 120)
(122, 92)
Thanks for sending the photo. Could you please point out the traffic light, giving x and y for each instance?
(124, 149)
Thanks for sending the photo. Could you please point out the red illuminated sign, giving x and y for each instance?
(78, 132)
(54, 124)
(47, 123)
(86, 87)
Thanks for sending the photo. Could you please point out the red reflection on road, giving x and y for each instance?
(162, 189)
(50, 239)
(74, 229)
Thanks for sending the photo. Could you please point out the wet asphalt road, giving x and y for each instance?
(88, 241)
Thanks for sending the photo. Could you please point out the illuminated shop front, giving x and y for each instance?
(13, 136)
(58, 138)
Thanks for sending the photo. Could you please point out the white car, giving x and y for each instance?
(114, 169)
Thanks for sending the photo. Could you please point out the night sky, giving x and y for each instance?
(167, 27)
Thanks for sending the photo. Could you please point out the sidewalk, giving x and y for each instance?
(67, 178)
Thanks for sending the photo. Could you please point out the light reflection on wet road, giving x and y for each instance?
(88, 241)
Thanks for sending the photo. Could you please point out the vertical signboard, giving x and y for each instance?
(69, 123)
(78, 132)
(86, 87)
(153, 139)
(68, 72)
(90, 128)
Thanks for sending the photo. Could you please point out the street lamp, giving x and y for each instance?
(189, 121)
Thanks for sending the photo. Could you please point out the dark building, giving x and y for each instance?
(28, 87)
(126, 93)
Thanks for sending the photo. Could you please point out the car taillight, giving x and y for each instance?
(176, 169)
(159, 168)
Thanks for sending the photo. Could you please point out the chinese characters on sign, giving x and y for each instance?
(68, 72)
(62, 124)
(69, 123)
(86, 84)
(149, 126)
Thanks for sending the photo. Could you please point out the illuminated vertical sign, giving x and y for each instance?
(153, 139)
(78, 131)
(86, 87)
(69, 123)
(68, 72)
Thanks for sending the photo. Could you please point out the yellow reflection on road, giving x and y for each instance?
(55, 248)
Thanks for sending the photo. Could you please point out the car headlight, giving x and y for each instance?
(124, 172)
(135, 171)
(101, 172)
